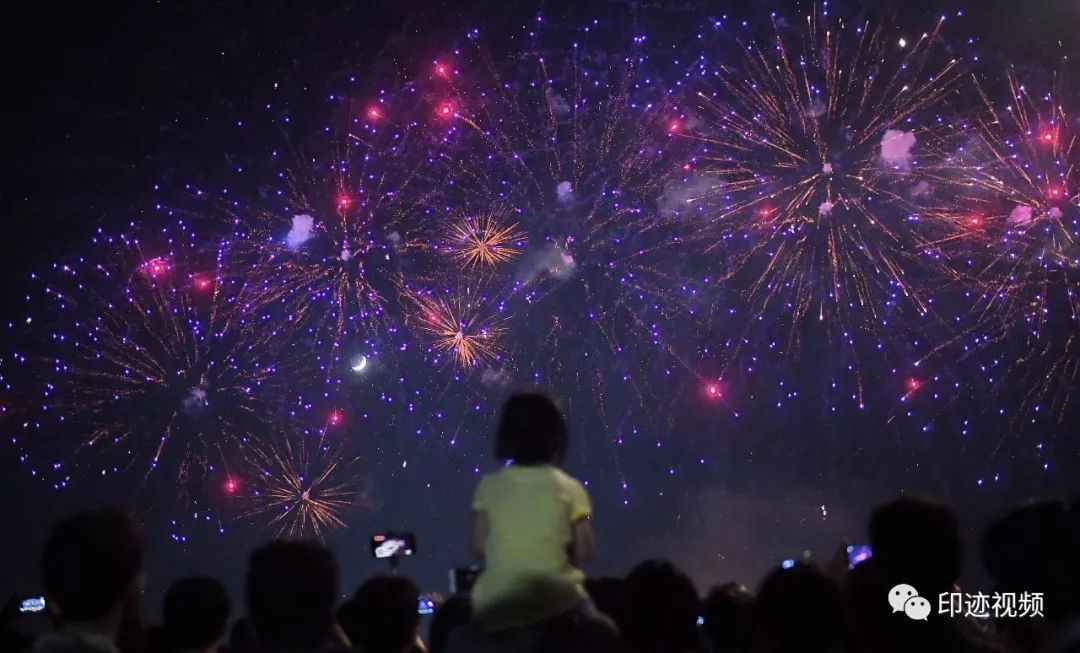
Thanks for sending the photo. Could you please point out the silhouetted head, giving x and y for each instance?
(382, 616)
(729, 618)
(1026, 549)
(799, 609)
(532, 431)
(916, 541)
(291, 589)
(1032, 549)
(196, 611)
(663, 608)
(91, 563)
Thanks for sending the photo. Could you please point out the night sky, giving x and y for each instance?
(721, 425)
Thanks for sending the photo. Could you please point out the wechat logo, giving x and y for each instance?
(906, 599)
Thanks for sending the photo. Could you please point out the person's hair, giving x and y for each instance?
(455, 611)
(90, 563)
(195, 610)
(382, 616)
(291, 590)
(728, 611)
(532, 430)
(663, 608)
(799, 609)
(916, 541)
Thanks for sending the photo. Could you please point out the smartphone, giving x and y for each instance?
(857, 553)
(427, 606)
(32, 604)
(391, 544)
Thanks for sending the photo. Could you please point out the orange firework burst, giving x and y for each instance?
(484, 241)
(460, 326)
(303, 487)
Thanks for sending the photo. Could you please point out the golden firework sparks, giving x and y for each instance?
(484, 241)
(460, 326)
(303, 487)
(809, 149)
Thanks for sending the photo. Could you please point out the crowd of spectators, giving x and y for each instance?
(530, 598)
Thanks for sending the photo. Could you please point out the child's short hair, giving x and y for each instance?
(532, 430)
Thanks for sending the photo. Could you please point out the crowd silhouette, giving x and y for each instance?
(531, 528)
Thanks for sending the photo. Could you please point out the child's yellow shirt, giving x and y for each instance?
(528, 576)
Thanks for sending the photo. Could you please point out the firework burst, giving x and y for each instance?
(1017, 174)
(461, 326)
(809, 172)
(301, 487)
(150, 368)
(341, 233)
(1016, 191)
(484, 241)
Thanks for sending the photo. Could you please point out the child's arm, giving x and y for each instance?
(478, 534)
(583, 543)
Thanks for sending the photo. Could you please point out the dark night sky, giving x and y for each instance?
(103, 99)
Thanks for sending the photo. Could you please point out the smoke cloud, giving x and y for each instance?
(564, 191)
(742, 537)
(896, 147)
(680, 196)
(301, 232)
(552, 260)
(495, 378)
(196, 402)
(921, 189)
(556, 104)
(1020, 216)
